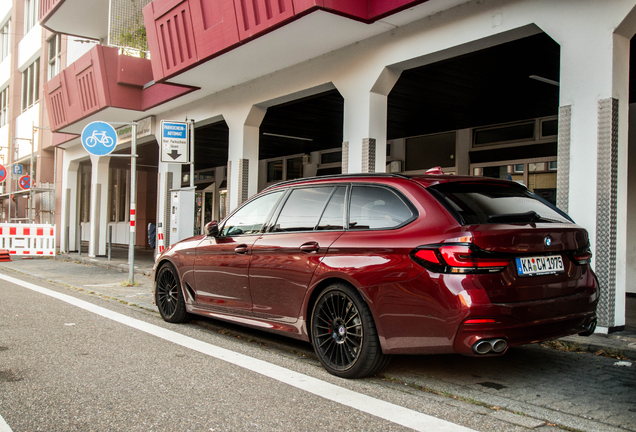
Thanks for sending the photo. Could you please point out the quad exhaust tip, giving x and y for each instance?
(490, 346)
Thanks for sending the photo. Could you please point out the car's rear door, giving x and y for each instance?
(285, 258)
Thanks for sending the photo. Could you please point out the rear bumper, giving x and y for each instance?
(529, 322)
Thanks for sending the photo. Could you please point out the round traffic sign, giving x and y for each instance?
(3, 173)
(25, 182)
(99, 138)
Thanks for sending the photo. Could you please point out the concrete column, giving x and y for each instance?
(99, 205)
(69, 207)
(592, 158)
(242, 169)
(365, 118)
(462, 150)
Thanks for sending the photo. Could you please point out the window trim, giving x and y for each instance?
(267, 228)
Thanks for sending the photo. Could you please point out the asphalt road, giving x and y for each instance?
(63, 367)
(67, 367)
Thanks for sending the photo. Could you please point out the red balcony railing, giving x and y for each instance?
(184, 33)
(48, 7)
(103, 79)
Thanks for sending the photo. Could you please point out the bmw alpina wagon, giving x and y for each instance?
(366, 266)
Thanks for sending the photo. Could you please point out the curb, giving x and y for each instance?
(610, 344)
(113, 265)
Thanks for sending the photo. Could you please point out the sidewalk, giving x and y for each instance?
(623, 342)
(144, 260)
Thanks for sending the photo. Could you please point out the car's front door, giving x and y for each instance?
(222, 262)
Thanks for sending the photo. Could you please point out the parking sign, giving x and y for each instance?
(174, 142)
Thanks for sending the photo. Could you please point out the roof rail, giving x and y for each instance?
(337, 176)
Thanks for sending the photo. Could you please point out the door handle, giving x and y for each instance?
(241, 249)
(310, 247)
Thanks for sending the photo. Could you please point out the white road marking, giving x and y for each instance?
(4, 427)
(367, 404)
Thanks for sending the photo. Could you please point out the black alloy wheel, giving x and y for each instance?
(169, 297)
(343, 334)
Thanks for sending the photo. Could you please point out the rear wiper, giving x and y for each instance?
(530, 216)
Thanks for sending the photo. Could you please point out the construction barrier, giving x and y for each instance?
(28, 239)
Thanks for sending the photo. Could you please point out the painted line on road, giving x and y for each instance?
(367, 404)
(4, 427)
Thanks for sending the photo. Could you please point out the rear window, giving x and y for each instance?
(483, 203)
(377, 208)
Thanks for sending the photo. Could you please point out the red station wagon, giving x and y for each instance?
(366, 266)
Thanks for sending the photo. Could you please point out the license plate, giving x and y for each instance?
(543, 265)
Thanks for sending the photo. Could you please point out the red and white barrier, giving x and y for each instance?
(28, 239)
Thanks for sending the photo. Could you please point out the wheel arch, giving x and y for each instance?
(324, 284)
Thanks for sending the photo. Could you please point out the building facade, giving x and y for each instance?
(531, 90)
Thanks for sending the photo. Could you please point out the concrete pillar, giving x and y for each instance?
(462, 150)
(365, 118)
(99, 205)
(70, 202)
(592, 158)
(242, 168)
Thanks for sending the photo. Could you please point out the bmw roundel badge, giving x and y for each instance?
(547, 241)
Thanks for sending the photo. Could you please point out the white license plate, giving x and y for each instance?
(534, 266)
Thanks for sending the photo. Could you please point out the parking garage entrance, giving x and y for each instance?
(492, 113)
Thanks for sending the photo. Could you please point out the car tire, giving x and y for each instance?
(169, 296)
(344, 335)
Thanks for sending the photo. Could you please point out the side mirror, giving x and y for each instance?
(212, 229)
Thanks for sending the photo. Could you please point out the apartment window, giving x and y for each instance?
(55, 54)
(4, 106)
(31, 85)
(5, 31)
(31, 12)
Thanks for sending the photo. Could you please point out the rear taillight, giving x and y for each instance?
(582, 256)
(459, 258)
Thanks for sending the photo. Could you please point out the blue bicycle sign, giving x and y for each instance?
(99, 138)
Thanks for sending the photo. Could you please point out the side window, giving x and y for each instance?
(333, 216)
(303, 209)
(250, 218)
(376, 208)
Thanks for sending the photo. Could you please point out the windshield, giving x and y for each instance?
(493, 203)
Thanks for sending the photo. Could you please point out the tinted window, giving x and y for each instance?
(333, 216)
(303, 209)
(476, 203)
(375, 207)
(250, 218)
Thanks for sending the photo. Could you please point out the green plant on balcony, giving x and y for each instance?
(130, 35)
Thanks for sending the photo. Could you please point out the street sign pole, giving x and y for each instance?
(133, 201)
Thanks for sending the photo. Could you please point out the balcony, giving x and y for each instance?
(84, 18)
(102, 85)
(244, 36)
